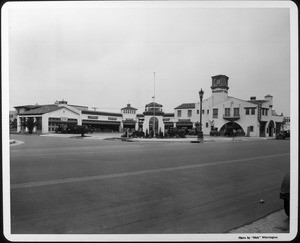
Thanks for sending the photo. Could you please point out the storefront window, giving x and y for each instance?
(179, 113)
(215, 113)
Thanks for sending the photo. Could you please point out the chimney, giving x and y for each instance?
(252, 98)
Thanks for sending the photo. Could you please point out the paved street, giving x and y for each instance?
(69, 185)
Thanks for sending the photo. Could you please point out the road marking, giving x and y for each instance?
(140, 172)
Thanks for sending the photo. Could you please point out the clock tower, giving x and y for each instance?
(219, 88)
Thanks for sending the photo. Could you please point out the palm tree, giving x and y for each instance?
(29, 123)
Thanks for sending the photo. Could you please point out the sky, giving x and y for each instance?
(104, 55)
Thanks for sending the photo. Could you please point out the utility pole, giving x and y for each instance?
(154, 120)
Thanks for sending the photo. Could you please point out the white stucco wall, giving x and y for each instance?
(147, 120)
(61, 113)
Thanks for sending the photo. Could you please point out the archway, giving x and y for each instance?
(228, 128)
(153, 124)
(271, 128)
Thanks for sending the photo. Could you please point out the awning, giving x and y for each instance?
(94, 122)
(184, 124)
(128, 123)
(63, 122)
(169, 123)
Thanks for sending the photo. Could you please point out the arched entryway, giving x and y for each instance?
(153, 124)
(228, 128)
(271, 128)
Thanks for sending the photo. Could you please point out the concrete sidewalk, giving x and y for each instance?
(101, 136)
(276, 222)
(195, 139)
(188, 139)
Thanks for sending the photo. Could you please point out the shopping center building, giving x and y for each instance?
(220, 112)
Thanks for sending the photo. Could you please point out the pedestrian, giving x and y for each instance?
(233, 134)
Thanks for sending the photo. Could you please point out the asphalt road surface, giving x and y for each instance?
(78, 186)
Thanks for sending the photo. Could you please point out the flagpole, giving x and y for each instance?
(154, 107)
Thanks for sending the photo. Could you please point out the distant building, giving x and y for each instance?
(253, 117)
(50, 117)
(286, 123)
(130, 119)
(12, 116)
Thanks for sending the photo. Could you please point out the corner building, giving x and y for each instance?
(254, 118)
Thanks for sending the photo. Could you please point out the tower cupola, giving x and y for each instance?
(219, 88)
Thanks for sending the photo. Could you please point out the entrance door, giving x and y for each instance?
(153, 124)
(262, 129)
(271, 128)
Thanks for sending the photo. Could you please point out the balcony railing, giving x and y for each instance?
(229, 117)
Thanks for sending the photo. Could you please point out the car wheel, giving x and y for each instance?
(287, 207)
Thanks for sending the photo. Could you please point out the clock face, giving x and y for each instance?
(217, 82)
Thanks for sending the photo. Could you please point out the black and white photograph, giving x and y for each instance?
(150, 120)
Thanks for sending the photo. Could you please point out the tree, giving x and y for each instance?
(29, 123)
(13, 124)
(82, 129)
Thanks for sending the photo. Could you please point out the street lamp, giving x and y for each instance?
(200, 133)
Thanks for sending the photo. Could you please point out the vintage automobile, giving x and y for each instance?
(285, 193)
(283, 134)
(214, 132)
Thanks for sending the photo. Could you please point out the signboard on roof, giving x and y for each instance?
(92, 117)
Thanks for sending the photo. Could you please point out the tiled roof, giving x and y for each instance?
(219, 76)
(102, 113)
(186, 106)
(41, 110)
(128, 107)
(28, 106)
(169, 115)
(152, 104)
(257, 101)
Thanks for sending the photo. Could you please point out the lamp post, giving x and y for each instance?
(200, 133)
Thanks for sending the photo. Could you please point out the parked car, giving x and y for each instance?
(192, 132)
(283, 134)
(214, 132)
(285, 193)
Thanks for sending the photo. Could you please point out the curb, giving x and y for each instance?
(276, 222)
(14, 142)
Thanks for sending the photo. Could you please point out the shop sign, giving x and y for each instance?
(92, 117)
(64, 118)
(259, 112)
(184, 120)
(112, 118)
(166, 119)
